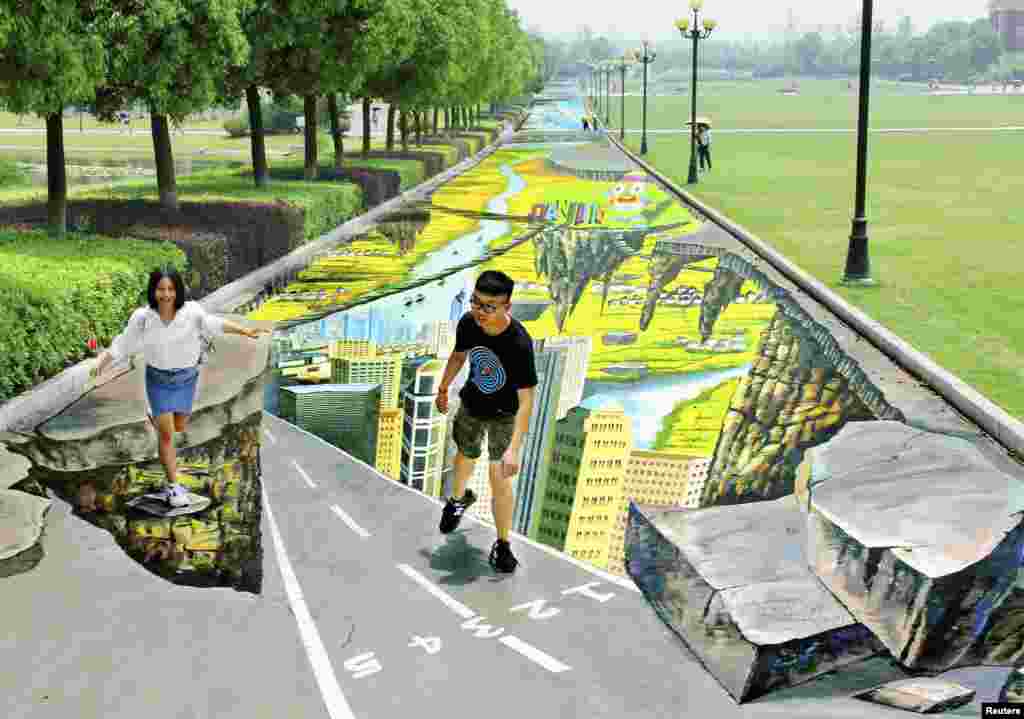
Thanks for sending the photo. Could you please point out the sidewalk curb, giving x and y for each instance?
(29, 409)
(1005, 429)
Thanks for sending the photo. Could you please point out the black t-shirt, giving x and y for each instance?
(499, 366)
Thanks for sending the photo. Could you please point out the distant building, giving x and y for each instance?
(1008, 21)
(577, 365)
(345, 415)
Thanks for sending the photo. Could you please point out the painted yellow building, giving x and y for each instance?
(659, 479)
(385, 370)
(584, 488)
(389, 442)
(353, 349)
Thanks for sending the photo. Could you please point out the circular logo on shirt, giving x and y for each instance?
(487, 372)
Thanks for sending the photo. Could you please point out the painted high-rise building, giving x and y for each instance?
(385, 370)
(584, 487)
(423, 431)
(345, 415)
(353, 349)
(577, 364)
(552, 363)
(389, 442)
(653, 479)
(440, 338)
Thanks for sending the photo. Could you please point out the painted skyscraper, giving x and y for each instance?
(577, 364)
(552, 364)
(423, 431)
(345, 415)
(584, 488)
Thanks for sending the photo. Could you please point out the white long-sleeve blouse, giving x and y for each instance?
(166, 345)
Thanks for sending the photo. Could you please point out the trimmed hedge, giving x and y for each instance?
(56, 294)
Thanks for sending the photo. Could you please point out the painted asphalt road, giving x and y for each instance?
(398, 619)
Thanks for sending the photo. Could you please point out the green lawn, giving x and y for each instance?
(820, 104)
(945, 218)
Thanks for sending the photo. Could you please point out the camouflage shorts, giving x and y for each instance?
(468, 434)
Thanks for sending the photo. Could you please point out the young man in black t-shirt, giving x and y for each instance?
(496, 399)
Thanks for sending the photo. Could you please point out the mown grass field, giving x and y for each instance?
(820, 104)
(944, 210)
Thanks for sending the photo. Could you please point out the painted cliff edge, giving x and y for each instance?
(99, 453)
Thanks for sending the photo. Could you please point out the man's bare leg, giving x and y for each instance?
(504, 500)
(463, 471)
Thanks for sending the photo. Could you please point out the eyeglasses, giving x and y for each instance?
(487, 309)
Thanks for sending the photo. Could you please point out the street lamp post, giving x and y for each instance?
(625, 60)
(646, 56)
(696, 34)
(858, 264)
(607, 93)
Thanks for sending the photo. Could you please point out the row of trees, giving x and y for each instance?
(179, 57)
(958, 51)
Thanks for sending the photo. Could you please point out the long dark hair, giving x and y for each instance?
(179, 286)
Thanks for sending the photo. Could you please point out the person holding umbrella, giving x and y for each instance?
(704, 144)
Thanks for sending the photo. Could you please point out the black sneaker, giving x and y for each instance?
(501, 557)
(453, 510)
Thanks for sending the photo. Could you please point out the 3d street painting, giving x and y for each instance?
(695, 429)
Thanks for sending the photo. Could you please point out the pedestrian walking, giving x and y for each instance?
(167, 332)
(704, 146)
(497, 400)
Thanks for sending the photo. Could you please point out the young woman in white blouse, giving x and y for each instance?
(167, 333)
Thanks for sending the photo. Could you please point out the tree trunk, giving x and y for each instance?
(389, 141)
(56, 176)
(403, 128)
(447, 119)
(164, 161)
(311, 169)
(419, 128)
(339, 146)
(435, 120)
(366, 126)
(256, 136)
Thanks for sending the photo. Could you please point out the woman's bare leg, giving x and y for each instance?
(165, 435)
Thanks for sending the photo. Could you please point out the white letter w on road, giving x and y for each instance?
(483, 631)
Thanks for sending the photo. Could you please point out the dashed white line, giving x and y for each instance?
(305, 476)
(349, 521)
(449, 601)
(334, 699)
(527, 650)
(534, 654)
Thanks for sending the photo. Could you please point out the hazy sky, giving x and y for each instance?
(736, 17)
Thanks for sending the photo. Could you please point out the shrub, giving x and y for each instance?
(237, 126)
(56, 294)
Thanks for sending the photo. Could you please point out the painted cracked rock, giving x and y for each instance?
(758, 620)
(920, 537)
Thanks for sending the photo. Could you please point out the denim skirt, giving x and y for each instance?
(171, 390)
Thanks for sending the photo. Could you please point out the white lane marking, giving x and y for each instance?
(272, 438)
(334, 700)
(349, 521)
(449, 601)
(305, 476)
(623, 582)
(534, 654)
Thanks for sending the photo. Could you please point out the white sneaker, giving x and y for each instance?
(177, 496)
